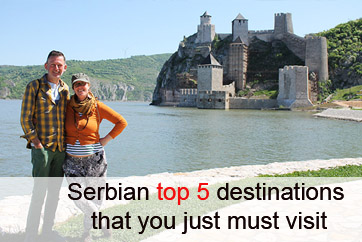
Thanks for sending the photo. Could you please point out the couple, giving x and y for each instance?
(48, 118)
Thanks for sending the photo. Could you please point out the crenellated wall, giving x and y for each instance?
(188, 97)
(265, 35)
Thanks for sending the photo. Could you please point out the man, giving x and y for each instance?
(42, 119)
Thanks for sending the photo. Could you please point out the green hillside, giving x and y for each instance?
(345, 54)
(139, 72)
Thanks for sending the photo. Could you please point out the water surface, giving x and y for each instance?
(167, 139)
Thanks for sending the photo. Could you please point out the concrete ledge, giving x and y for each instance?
(343, 114)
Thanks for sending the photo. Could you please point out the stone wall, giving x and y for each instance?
(295, 43)
(243, 103)
(265, 35)
(188, 97)
(171, 97)
(213, 100)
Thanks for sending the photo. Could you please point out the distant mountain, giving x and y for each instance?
(131, 79)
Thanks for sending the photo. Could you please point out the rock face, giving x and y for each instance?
(110, 91)
(180, 71)
(5, 91)
(343, 76)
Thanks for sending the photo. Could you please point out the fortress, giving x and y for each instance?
(298, 85)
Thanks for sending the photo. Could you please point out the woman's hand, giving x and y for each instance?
(105, 140)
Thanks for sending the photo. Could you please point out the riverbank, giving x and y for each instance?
(14, 209)
(343, 114)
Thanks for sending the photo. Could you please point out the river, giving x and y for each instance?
(168, 139)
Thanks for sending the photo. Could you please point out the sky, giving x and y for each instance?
(111, 29)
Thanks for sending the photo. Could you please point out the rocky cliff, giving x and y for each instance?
(111, 91)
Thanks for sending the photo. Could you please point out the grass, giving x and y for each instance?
(271, 94)
(342, 171)
(261, 94)
(347, 94)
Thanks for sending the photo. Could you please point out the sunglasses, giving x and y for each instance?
(78, 84)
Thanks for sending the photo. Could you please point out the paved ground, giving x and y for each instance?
(344, 114)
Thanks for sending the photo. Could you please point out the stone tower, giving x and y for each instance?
(209, 75)
(206, 30)
(293, 87)
(238, 62)
(283, 24)
(316, 57)
(240, 29)
(211, 93)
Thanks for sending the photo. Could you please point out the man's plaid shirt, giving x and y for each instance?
(41, 117)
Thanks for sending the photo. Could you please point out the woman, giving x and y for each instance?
(85, 156)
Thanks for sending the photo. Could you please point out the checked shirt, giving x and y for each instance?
(43, 118)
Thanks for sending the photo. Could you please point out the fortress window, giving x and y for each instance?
(209, 100)
(219, 100)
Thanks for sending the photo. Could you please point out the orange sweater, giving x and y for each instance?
(90, 135)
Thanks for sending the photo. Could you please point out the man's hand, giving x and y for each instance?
(37, 143)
